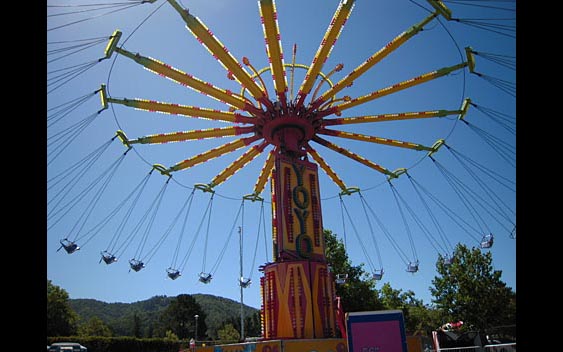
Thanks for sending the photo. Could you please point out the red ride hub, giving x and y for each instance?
(289, 132)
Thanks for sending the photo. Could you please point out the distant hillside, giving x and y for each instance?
(119, 316)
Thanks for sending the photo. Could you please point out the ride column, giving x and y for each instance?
(298, 292)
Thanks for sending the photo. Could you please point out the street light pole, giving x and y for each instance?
(196, 316)
(241, 289)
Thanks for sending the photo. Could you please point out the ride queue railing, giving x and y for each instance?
(502, 347)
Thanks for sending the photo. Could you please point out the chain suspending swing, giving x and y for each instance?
(447, 246)
(458, 186)
(377, 274)
(111, 254)
(172, 271)
(137, 262)
(70, 246)
(245, 282)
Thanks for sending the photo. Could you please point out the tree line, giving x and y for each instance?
(157, 317)
(468, 289)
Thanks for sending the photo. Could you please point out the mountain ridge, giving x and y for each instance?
(119, 316)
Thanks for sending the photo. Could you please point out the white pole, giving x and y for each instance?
(196, 316)
(241, 289)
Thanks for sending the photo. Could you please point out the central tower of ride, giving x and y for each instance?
(298, 292)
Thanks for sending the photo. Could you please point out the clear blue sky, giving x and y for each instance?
(163, 36)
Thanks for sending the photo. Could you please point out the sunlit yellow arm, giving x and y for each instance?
(323, 52)
(213, 153)
(352, 155)
(372, 60)
(373, 139)
(190, 81)
(269, 18)
(184, 110)
(400, 86)
(389, 117)
(238, 164)
(265, 173)
(333, 176)
(191, 135)
(220, 52)
(441, 9)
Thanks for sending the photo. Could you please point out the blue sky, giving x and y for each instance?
(162, 35)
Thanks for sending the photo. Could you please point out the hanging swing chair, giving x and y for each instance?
(378, 274)
(447, 260)
(245, 282)
(341, 278)
(205, 277)
(487, 241)
(108, 258)
(173, 273)
(69, 246)
(136, 264)
(412, 267)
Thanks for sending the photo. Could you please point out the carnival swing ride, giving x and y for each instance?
(289, 126)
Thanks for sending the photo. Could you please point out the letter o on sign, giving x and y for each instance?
(301, 197)
(304, 245)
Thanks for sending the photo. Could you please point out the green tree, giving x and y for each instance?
(171, 336)
(228, 333)
(358, 293)
(179, 317)
(424, 319)
(472, 291)
(61, 319)
(150, 330)
(136, 325)
(404, 301)
(253, 325)
(419, 318)
(94, 327)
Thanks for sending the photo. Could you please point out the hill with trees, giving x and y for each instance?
(143, 318)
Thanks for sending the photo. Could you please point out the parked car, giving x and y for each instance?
(66, 347)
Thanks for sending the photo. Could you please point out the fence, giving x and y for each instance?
(503, 347)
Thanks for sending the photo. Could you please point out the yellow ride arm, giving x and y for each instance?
(373, 139)
(191, 135)
(190, 81)
(238, 164)
(265, 173)
(220, 52)
(390, 117)
(400, 86)
(374, 59)
(329, 171)
(184, 110)
(323, 52)
(213, 153)
(269, 18)
(352, 155)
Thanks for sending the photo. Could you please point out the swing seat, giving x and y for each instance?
(136, 264)
(69, 246)
(245, 282)
(205, 277)
(412, 267)
(108, 258)
(487, 241)
(173, 273)
(341, 278)
(378, 274)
